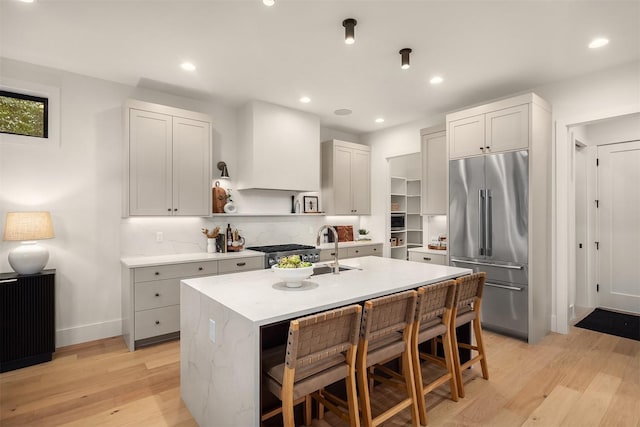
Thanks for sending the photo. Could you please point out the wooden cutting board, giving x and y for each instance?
(345, 233)
(219, 198)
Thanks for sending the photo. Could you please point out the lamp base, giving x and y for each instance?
(28, 258)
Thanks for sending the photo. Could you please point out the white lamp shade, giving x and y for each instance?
(23, 226)
(28, 258)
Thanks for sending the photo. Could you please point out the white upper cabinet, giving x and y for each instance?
(346, 178)
(434, 171)
(167, 158)
(493, 128)
(466, 137)
(278, 148)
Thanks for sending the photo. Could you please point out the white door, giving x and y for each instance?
(619, 226)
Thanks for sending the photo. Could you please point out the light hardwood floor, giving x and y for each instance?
(581, 379)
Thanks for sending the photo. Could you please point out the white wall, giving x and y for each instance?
(79, 182)
(608, 93)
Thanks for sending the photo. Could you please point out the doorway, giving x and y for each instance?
(618, 244)
(599, 260)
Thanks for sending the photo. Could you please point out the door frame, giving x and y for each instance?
(563, 204)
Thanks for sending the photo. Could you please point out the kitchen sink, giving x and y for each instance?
(324, 269)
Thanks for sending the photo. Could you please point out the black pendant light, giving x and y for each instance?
(349, 30)
(404, 53)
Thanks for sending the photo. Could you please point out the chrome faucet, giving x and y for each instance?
(336, 267)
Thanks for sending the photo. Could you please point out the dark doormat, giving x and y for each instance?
(612, 323)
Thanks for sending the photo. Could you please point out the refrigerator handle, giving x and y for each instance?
(481, 230)
(488, 226)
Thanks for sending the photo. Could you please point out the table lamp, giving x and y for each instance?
(27, 227)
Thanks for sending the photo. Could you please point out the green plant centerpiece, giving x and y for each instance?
(293, 261)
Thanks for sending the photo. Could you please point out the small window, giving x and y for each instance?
(22, 114)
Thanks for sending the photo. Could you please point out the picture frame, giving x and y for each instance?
(310, 204)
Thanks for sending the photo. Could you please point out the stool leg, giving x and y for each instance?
(287, 397)
(450, 363)
(417, 372)
(363, 385)
(352, 398)
(307, 410)
(456, 360)
(407, 369)
(477, 330)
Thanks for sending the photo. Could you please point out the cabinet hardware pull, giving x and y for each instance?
(426, 259)
(357, 251)
(241, 264)
(157, 322)
(157, 273)
(333, 253)
(8, 281)
(175, 210)
(510, 288)
(157, 294)
(169, 210)
(509, 267)
(487, 147)
(482, 148)
(199, 268)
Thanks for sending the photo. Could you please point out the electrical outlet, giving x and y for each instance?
(212, 330)
(159, 236)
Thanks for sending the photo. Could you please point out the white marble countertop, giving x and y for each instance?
(146, 261)
(352, 244)
(150, 260)
(426, 250)
(253, 295)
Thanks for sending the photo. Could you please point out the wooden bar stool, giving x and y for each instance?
(467, 305)
(433, 319)
(321, 350)
(385, 334)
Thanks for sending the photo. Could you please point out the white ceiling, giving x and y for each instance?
(244, 50)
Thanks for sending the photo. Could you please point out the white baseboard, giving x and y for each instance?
(554, 324)
(85, 333)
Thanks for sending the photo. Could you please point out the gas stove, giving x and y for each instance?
(273, 253)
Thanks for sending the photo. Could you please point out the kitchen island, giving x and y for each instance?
(223, 320)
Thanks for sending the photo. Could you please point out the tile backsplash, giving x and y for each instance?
(183, 235)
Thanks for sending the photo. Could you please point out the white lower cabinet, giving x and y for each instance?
(151, 296)
(429, 258)
(353, 252)
(372, 250)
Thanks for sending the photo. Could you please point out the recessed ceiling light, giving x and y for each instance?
(269, 2)
(188, 66)
(436, 80)
(596, 43)
(342, 112)
(379, 120)
(305, 100)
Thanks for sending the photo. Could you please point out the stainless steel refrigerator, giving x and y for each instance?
(488, 231)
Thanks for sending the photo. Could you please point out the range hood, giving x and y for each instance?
(278, 148)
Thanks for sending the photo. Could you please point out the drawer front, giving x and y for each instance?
(173, 271)
(428, 258)
(157, 321)
(327, 254)
(364, 251)
(159, 293)
(240, 264)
